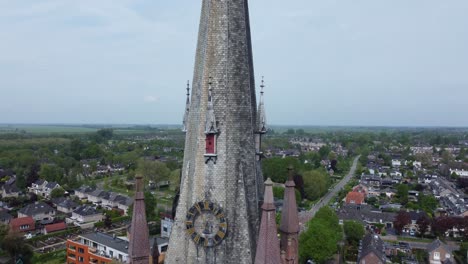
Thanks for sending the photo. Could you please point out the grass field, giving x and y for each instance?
(72, 129)
(45, 129)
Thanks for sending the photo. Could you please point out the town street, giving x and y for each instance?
(304, 217)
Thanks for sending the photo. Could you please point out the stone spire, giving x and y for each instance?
(217, 216)
(268, 247)
(289, 227)
(187, 108)
(139, 248)
(261, 114)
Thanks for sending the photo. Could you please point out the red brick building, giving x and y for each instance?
(80, 253)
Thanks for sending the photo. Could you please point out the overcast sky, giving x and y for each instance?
(348, 62)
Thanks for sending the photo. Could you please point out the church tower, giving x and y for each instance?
(217, 216)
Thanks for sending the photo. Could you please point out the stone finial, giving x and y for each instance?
(291, 173)
(268, 200)
(261, 115)
(187, 109)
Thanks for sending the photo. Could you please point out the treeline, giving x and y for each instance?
(311, 177)
(60, 158)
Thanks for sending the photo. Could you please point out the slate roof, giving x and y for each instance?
(39, 182)
(85, 189)
(372, 244)
(436, 244)
(36, 208)
(52, 185)
(364, 214)
(415, 216)
(10, 186)
(4, 216)
(85, 210)
(67, 203)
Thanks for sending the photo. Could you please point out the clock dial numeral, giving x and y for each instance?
(190, 231)
(206, 224)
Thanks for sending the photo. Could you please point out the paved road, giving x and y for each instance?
(419, 244)
(304, 217)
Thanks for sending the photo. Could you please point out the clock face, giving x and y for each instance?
(206, 224)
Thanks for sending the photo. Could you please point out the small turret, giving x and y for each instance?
(289, 226)
(268, 247)
(187, 109)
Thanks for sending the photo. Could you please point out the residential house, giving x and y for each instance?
(83, 191)
(396, 163)
(105, 198)
(86, 214)
(439, 253)
(65, 205)
(166, 226)
(43, 187)
(462, 173)
(355, 198)
(366, 215)
(47, 229)
(5, 217)
(23, 224)
(9, 189)
(372, 250)
(413, 227)
(40, 211)
(371, 181)
(102, 248)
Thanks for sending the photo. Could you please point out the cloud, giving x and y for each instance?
(151, 99)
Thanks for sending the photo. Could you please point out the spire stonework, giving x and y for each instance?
(139, 247)
(289, 227)
(268, 246)
(217, 216)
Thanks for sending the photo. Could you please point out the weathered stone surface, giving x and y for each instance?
(224, 53)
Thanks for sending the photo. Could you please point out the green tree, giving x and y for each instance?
(354, 231)
(326, 227)
(316, 184)
(427, 203)
(14, 244)
(276, 168)
(150, 207)
(278, 192)
(51, 173)
(153, 170)
(324, 151)
(57, 192)
(402, 193)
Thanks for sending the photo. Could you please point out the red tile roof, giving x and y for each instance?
(27, 223)
(355, 198)
(55, 227)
